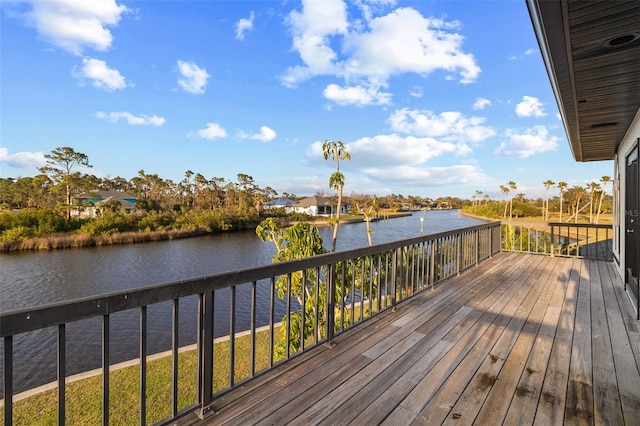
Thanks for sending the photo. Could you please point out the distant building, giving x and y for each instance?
(318, 206)
(277, 204)
(90, 204)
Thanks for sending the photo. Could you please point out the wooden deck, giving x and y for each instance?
(520, 339)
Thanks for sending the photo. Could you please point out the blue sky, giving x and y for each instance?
(431, 98)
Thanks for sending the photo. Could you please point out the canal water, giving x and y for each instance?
(36, 278)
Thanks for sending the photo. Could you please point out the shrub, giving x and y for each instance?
(15, 235)
(110, 223)
(38, 221)
(299, 217)
(154, 221)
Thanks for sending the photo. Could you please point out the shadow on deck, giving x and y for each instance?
(520, 339)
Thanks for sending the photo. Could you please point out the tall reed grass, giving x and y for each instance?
(73, 240)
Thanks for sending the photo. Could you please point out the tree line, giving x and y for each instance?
(571, 204)
(42, 204)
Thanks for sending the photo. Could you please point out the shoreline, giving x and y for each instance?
(70, 240)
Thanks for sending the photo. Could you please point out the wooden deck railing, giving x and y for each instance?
(337, 291)
(589, 241)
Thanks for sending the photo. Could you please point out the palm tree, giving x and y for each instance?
(505, 191)
(512, 187)
(579, 191)
(336, 151)
(547, 184)
(479, 193)
(605, 180)
(594, 188)
(486, 198)
(562, 186)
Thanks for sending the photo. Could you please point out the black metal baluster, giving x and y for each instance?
(232, 336)
(105, 369)
(174, 354)
(252, 360)
(143, 365)
(8, 380)
(205, 351)
(343, 284)
(288, 322)
(331, 309)
(61, 373)
(303, 310)
(370, 284)
(353, 292)
(272, 319)
(316, 325)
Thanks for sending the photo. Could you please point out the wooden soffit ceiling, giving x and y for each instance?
(591, 50)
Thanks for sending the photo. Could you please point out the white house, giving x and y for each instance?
(592, 54)
(318, 206)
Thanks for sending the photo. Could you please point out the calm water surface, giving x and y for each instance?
(36, 278)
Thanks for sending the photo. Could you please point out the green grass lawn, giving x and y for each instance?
(83, 399)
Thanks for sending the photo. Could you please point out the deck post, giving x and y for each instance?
(206, 353)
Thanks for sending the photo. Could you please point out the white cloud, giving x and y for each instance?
(311, 29)
(193, 79)
(75, 25)
(481, 103)
(417, 92)
(391, 150)
(448, 125)
(266, 134)
(22, 160)
(403, 160)
(420, 176)
(356, 95)
(100, 74)
(243, 25)
(534, 141)
(114, 117)
(405, 41)
(368, 54)
(212, 131)
(387, 151)
(530, 107)
(527, 52)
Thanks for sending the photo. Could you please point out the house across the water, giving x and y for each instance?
(318, 206)
(92, 203)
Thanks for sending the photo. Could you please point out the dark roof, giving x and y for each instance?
(591, 50)
(106, 194)
(314, 201)
(279, 202)
(96, 197)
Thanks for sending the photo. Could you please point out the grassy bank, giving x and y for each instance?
(76, 240)
(73, 240)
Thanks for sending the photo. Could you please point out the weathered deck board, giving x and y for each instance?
(520, 339)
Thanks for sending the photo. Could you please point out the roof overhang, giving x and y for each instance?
(591, 50)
